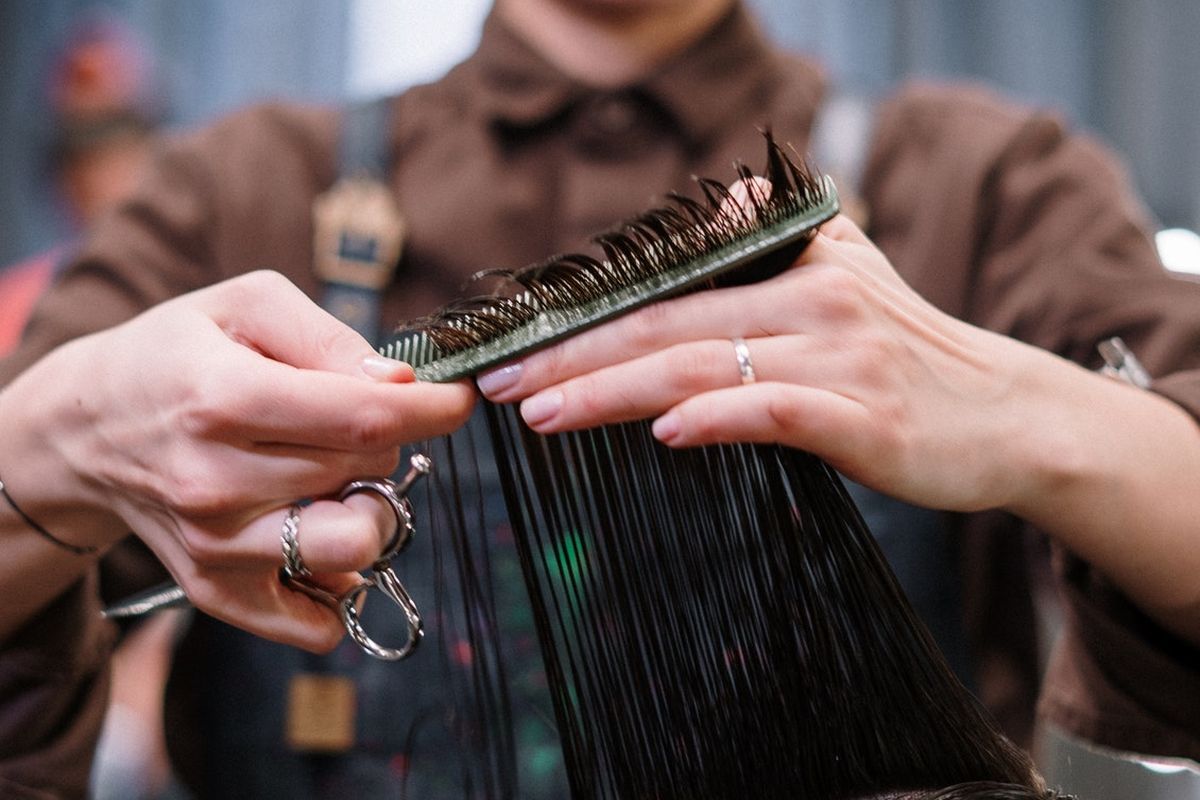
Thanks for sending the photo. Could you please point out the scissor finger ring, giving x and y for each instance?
(396, 496)
(383, 577)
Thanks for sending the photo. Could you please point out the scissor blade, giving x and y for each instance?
(156, 598)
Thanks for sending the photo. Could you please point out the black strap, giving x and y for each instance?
(363, 148)
(363, 152)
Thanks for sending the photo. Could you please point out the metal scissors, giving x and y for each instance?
(348, 604)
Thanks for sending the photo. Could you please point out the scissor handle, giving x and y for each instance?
(346, 605)
(389, 585)
(383, 577)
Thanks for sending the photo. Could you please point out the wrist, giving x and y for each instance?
(42, 462)
(1114, 482)
(1053, 449)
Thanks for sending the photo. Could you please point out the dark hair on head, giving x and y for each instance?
(978, 790)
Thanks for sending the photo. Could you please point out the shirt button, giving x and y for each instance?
(614, 116)
(617, 125)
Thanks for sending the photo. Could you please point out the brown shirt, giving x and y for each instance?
(994, 213)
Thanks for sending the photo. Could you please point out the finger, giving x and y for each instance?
(238, 484)
(302, 471)
(818, 421)
(843, 229)
(258, 601)
(745, 197)
(707, 315)
(332, 537)
(649, 385)
(269, 314)
(754, 310)
(276, 403)
(345, 535)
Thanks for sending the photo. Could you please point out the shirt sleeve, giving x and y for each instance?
(1069, 262)
(1117, 678)
(215, 203)
(53, 693)
(1032, 230)
(1004, 217)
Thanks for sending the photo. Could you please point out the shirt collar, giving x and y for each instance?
(732, 67)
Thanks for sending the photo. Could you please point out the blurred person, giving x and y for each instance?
(571, 115)
(105, 110)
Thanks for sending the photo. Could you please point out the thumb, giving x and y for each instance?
(266, 312)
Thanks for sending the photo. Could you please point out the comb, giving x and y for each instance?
(661, 253)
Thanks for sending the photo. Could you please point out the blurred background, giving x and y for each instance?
(1127, 70)
(85, 84)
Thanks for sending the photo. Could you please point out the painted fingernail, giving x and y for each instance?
(385, 369)
(666, 427)
(541, 408)
(497, 381)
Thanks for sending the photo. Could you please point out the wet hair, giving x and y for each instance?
(715, 621)
(978, 790)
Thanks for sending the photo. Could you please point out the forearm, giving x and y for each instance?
(1112, 472)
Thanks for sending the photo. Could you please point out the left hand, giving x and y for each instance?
(851, 364)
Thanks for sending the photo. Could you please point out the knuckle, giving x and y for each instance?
(263, 282)
(837, 295)
(892, 416)
(206, 407)
(370, 428)
(195, 493)
(891, 434)
(874, 357)
(330, 341)
(380, 462)
(202, 419)
(594, 404)
(546, 367)
(644, 327)
(201, 548)
(704, 427)
(784, 415)
(689, 366)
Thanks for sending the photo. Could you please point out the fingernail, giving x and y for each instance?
(666, 427)
(497, 381)
(541, 408)
(385, 369)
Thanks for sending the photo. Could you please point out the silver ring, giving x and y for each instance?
(293, 564)
(745, 365)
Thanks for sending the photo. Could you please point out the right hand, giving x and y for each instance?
(198, 423)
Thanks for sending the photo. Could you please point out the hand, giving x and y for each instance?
(198, 423)
(851, 365)
(854, 366)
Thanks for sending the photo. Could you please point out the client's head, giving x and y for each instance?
(975, 790)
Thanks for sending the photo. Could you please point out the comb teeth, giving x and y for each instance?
(661, 253)
(414, 348)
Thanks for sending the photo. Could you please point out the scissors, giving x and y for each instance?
(347, 605)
